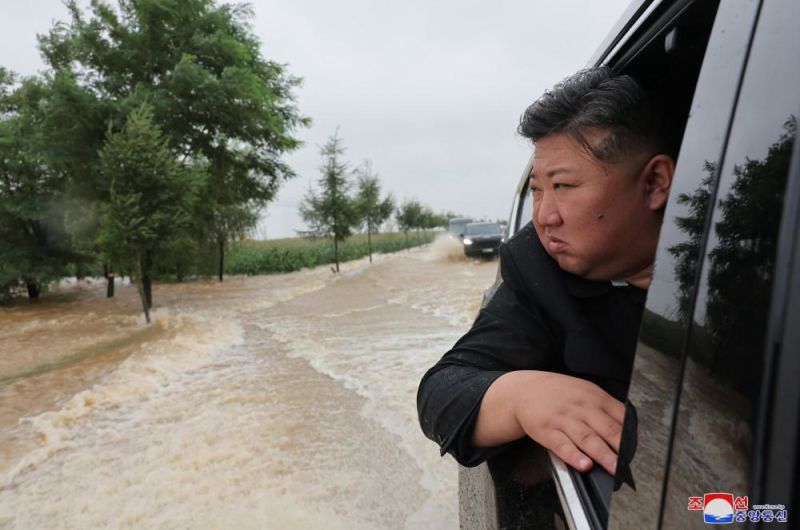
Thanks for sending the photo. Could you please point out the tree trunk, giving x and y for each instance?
(140, 287)
(109, 280)
(336, 252)
(147, 282)
(33, 290)
(221, 257)
(408, 248)
(369, 241)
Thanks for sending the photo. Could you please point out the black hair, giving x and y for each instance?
(597, 98)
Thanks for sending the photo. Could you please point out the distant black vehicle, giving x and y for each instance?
(482, 239)
(456, 225)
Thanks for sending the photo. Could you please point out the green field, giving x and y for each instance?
(291, 254)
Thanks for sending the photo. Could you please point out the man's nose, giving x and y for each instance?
(545, 211)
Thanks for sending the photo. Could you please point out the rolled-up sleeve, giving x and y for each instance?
(509, 334)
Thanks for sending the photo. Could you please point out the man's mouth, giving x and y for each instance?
(555, 244)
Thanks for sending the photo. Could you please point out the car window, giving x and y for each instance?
(657, 364)
(715, 428)
(522, 208)
(483, 229)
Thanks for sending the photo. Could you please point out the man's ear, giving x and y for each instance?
(657, 176)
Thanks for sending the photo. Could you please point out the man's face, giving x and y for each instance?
(594, 218)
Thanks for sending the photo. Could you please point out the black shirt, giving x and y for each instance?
(540, 318)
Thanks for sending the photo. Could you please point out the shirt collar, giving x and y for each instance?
(583, 288)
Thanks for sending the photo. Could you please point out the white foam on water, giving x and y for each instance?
(383, 363)
(385, 371)
(445, 248)
(194, 342)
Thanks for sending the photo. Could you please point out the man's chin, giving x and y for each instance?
(571, 265)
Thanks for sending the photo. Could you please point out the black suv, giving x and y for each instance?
(482, 239)
(715, 387)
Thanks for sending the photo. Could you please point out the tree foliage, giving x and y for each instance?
(740, 261)
(224, 113)
(331, 211)
(216, 99)
(371, 209)
(150, 197)
(34, 247)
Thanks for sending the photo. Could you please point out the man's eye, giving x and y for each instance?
(560, 185)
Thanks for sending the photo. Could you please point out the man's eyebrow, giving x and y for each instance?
(553, 172)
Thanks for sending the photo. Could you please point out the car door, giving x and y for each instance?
(725, 454)
(665, 46)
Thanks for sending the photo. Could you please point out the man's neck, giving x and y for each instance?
(642, 278)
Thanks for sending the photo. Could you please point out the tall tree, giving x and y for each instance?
(371, 209)
(331, 212)
(409, 217)
(429, 220)
(216, 99)
(34, 247)
(150, 197)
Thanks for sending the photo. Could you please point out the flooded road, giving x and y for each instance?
(282, 401)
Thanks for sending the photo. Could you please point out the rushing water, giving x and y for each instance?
(282, 401)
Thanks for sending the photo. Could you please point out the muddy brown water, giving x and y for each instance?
(280, 401)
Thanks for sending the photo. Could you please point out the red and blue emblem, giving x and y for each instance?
(718, 508)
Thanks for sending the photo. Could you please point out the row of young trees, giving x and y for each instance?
(348, 199)
(157, 126)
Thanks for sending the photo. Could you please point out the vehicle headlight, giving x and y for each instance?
(467, 241)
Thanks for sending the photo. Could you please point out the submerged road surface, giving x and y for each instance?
(282, 401)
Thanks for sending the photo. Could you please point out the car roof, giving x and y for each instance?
(483, 224)
(629, 18)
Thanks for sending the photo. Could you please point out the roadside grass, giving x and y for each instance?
(292, 254)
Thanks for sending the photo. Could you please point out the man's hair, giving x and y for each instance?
(598, 99)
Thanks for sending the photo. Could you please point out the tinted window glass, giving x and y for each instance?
(523, 208)
(657, 365)
(483, 229)
(715, 426)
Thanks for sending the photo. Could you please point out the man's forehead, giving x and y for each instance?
(559, 153)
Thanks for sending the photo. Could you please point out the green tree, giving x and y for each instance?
(371, 209)
(34, 246)
(150, 197)
(331, 212)
(429, 220)
(409, 217)
(216, 99)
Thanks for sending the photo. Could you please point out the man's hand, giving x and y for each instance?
(572, 417)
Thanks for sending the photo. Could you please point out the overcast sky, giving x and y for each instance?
(430, 91)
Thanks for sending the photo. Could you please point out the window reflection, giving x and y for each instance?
(714, 436)
(657, 365)
(712, 448)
